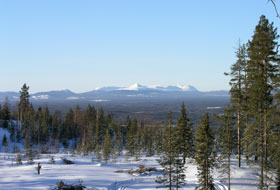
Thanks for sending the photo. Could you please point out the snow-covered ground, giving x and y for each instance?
(103, 176)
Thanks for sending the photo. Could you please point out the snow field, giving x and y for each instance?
(102, 176)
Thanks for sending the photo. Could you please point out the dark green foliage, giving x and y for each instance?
(132, 138)
(24, 97)
(6, 114)
(185, 144)
(173, 174)
(239, 93)
(119, 139)
(262, 74)
(107, 147)
(204, 156)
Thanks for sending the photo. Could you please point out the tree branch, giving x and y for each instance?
(275, 7)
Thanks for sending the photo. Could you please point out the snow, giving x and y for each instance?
(173, 88)
(41, 97)
(100, 100)
(138, 87)
(11, 145)
(103, 176)
(212, 108)
(73, 98)
(135, 87)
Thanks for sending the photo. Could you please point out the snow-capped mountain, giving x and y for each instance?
(138, 87)
(111, 93)
(173, 88)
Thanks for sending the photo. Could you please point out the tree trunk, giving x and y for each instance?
(238, 139)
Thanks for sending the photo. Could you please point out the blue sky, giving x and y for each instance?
(84, 44)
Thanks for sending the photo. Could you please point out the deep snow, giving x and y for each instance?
(103, 176)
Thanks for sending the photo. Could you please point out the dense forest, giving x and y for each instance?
(248, 128)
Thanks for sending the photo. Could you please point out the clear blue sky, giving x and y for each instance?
(84, 44)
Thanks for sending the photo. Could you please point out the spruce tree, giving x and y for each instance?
(173, 167)
(132, 138)
(119, 139)
(107, 146)
(185, 135)
(204, 156)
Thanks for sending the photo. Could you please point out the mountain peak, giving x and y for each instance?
(187, 88)
(135, 87)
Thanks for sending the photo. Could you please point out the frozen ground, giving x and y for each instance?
(103, 176)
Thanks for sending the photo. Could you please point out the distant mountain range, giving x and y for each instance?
(110, 93)
(138, 87)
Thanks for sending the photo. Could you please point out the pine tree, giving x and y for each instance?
(262, 72)
(107, 146)
(23, 103)
(185, 135)
(238, 92)
(204, 156)
(6, 114)
(226, 139)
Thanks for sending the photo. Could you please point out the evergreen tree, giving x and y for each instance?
(107, 146)
(6, 114)
(170, 160)
(68, 125)
(119, 139)
(132, 138)
(185, 135)
(100, 126)
(204, 156)
(23, 102)
(239, 93)
(262, 72)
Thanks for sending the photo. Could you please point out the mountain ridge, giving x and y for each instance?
(135, 91)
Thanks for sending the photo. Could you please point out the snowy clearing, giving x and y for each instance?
(102, 176)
